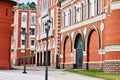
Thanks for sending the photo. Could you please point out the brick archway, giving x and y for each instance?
(92, 46)
(66, 49)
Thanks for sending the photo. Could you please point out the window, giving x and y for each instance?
(52, 2)
(23, 42)
(75, 14)
(69, 17)
(97, 6)
(23, 31)
(32, 42)
(45, 4)
(89, 8)
(92, 7)
(24, 18)
(32, 31)
(82, 11)
(52, 23)
(32, 52)
(64, 19)
(33, 18)
(43, 28)
(78, 14)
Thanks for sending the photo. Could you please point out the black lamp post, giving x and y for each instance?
(23, 32)
(47, 27)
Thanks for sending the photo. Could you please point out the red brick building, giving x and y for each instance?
(90, 34)
(84, 33)
(6, 20)
(48, 10)
(25, 19)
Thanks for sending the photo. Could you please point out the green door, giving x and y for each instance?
(79, 58)
(79, 51)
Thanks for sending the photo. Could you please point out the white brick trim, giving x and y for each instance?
(115, 5)
(111, 60)
(112, 48)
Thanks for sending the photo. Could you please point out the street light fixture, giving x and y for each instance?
(47, 27)
(23, 32)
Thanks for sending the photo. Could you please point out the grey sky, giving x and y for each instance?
(25, 1)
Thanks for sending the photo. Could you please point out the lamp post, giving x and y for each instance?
(23, 32)
(47, 27)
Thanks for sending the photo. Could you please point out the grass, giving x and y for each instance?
(98, 74)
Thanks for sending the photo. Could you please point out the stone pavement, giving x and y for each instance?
(38, 73)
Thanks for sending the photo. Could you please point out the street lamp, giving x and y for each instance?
(47, 27)
(23, 32)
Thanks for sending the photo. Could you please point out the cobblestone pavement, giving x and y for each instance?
(38, 73)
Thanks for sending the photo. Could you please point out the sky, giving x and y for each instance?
(25, 1)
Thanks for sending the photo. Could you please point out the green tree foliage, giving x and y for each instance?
(29, 5)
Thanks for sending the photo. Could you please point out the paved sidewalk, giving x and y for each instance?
(38, 73)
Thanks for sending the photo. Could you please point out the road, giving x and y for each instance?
(38, 73)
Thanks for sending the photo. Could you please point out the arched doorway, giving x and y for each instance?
(79, 51)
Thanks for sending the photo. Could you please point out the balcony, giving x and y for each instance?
(43, 35)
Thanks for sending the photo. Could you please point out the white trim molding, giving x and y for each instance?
(112, 60)
(101, 51)
(84, 53)
(95, 62)
(66, 3)
(61, 55)
(112, 48)
(67, 63)
(115, 5)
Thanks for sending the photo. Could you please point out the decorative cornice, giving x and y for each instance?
(65, 3)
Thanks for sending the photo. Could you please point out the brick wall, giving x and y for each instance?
(6, 19)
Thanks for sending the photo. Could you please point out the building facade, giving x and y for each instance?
(25, 20)
(84, 34)
(89, 34)
(48, 10)
(6, 15)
